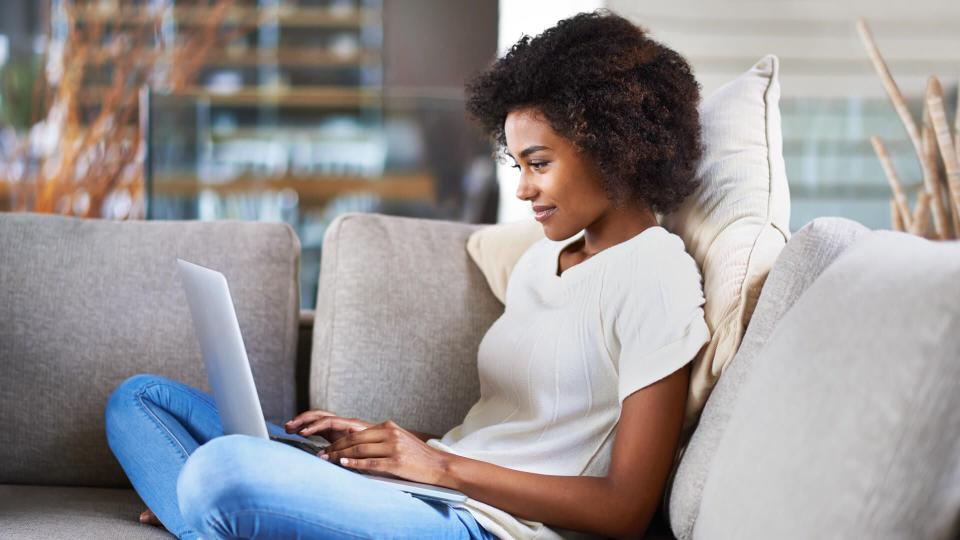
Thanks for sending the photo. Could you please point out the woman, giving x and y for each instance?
(583, 378)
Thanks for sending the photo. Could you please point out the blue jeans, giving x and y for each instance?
(168, 439)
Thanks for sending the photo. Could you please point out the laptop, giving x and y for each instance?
(230, 377)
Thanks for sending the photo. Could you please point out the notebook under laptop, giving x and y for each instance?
(230, 377)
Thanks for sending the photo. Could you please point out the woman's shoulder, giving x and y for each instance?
(657, 269)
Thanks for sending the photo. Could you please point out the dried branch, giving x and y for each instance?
(938, 117)
(899, 197)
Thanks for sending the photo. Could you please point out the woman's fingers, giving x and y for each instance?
(335, 424)
(374, 434)
(369, 450)
(304, 418)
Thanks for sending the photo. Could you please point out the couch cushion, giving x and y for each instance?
(847, 426)
(809, 252)
(401, 310)
(84, 304)
(31, 512)
(738, 220)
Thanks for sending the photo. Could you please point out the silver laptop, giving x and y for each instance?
(229, 375)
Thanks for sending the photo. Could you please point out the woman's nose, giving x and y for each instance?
(525, 189)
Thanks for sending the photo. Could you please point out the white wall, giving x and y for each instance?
(817, 42)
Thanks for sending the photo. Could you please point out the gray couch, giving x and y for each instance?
(838, 418)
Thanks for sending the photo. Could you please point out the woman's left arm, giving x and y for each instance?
(620, 504)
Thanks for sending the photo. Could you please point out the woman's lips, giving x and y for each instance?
(545, 214)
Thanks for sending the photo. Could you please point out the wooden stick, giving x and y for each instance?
(938, 117)
(890, 85)
(896, 221)
(895, 185)
(921, 217)
(956, 129)
(931, 176)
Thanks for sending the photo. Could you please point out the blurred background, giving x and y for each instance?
(300, 110)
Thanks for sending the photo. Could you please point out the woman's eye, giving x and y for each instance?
(515, 166)
(537, 165)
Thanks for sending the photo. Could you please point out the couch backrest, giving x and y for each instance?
(86, 303)
(401, 310)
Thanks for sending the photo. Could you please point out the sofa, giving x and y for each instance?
(837, 418)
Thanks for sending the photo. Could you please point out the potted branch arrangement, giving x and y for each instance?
(938, 149)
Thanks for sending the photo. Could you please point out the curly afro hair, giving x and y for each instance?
(623, 99)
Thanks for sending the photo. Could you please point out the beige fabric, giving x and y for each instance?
(497, 249)
(737, 221)
(734, 225)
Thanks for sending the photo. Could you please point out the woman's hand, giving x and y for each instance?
(326, 424)
(389, 450)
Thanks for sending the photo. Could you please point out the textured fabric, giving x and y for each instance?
(557, 365)
(497, 249)
(737, 221)
(806, 255)
(84, 304)
(400, 313)
(847, 427)
(33, 512)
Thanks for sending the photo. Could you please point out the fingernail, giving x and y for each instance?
(344, 461)
(324, 457)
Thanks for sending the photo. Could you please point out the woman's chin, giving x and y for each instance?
(556, 235)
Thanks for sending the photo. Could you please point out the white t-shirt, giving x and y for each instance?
(557, 365)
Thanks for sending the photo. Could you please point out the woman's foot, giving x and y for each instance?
(148, 517)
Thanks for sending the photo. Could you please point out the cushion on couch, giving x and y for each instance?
(86, 303)
(811, 250)
(738, 220)
(401, 311)
(734, 224)
(847, 426)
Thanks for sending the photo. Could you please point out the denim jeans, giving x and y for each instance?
(168, 439)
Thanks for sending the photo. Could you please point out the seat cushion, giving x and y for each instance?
(86, 303)
(847, 426)
(811, 250)
(31, 512)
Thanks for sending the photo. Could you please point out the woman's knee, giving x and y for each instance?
(123, 398)
(216, 477)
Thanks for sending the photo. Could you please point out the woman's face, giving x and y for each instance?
(562, 185)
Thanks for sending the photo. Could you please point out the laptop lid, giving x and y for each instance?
(228, 370)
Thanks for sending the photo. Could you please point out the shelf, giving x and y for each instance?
(303, 96)
(303, 57)
(293, 57)
(304, 17)
(311, 189)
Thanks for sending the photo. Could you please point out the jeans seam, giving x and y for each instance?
(140, 395)
(158, 424)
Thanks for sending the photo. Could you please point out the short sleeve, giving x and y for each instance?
(659, 329)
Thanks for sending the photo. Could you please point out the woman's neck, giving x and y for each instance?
(615, 226)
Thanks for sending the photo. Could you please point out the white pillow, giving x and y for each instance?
(734, 225)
